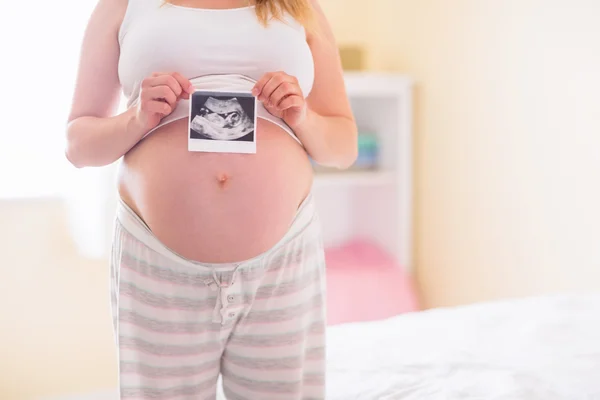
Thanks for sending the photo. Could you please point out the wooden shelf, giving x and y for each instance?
(354, 178)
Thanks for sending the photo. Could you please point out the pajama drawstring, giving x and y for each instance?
(216, 285)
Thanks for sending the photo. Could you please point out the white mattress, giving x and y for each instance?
(544, 348)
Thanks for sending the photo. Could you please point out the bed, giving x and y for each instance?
(542, 348)
(545, 348)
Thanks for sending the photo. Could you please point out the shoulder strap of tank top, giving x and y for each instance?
(135, 8)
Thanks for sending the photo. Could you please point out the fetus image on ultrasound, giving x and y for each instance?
(223, 117)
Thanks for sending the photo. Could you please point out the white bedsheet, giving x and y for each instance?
(545, 348)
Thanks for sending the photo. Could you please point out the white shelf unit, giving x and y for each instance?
(375, 205)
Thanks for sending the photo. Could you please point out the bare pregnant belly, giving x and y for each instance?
(216, 207)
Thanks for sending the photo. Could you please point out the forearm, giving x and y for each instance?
(95, 142)
(330, 141)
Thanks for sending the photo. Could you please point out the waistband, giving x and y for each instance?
(133, 224)
(228, 83)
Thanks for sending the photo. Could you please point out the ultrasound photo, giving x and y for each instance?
(222, 122)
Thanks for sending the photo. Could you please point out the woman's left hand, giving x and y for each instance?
(281, 95)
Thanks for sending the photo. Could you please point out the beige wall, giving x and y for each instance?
(508, 142)
(55, 321)
(507, 125)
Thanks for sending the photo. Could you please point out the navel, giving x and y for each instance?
(222, 179)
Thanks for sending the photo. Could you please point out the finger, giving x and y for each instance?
(162, 93)
(273, 84)
(157, 107)
(291, 102)
(159, 79)
(260, 84)
(185, 95)
(184, 82)
(282, 91)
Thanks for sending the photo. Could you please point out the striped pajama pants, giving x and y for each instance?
(182, 327)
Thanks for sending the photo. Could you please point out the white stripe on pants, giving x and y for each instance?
(260, 323)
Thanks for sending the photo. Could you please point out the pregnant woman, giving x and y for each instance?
(217, 262)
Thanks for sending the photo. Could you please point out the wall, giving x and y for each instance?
(507, 139)
(55, 326)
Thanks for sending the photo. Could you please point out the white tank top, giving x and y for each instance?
(215, 49)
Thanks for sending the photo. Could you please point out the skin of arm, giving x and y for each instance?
(95, 136)
(324, 121)
(329, 130)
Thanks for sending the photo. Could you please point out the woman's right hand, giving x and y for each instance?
(159, 95)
